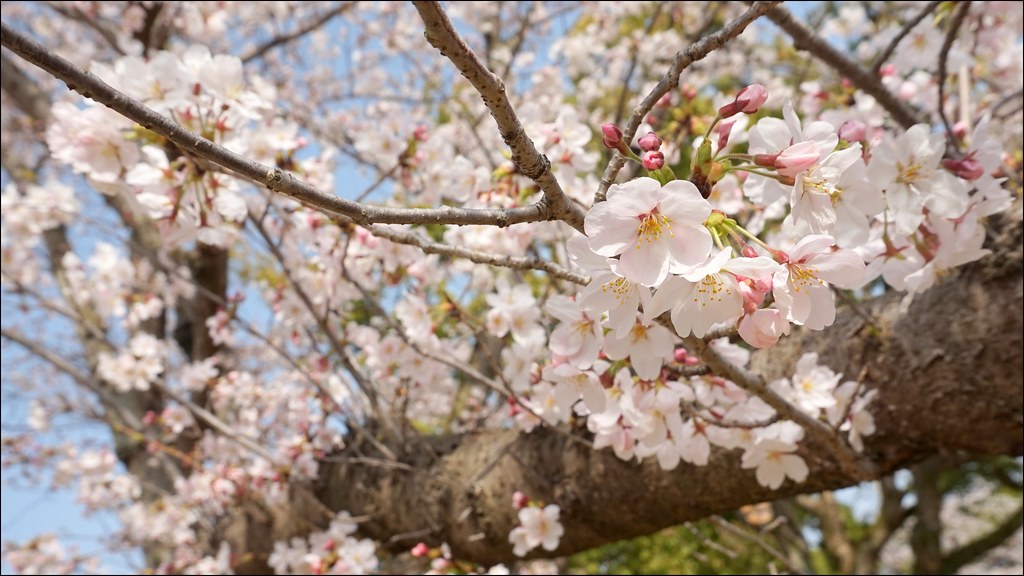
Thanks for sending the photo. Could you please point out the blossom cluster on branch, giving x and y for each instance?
(492, 266)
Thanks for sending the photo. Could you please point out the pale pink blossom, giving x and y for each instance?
(710, 294)
(540, 528)
(774, 462)
(764, 327)
(801, 287)
(646, 345)
(653, 228)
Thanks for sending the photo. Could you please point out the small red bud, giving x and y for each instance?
(653, 160)
(611, 136)
(649, 142)
(967, 168)
(520, 500)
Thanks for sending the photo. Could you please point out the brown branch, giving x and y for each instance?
(852, 463)
(696, 51)
(805, 39)
(913, 22)
(299, 32)
(442, 35)
(321, 320)
(926, 536)
(274, 179)
(975, 549)
(23, 90)
(757, 540)
(833, 529)
(954, 29)
(74, 13)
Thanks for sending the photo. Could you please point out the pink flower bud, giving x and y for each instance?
(967, 168)
(665, 101)
(421, 133)
(653, 160)
(853, 131)
(611, 136)
(520, 500)
(751, 98)
(680, 354)
(753, 293)
(649, 142)
(420, 550)
(724, 130)
(749, 252)
(149, 418)
(797, 158)
(748, 100)
(887, 70)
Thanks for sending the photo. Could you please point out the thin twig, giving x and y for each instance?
(862, 78)
(73, 12)
(670, 81)
(298, 32)
(954, 30)
(757, 540)
(887, 53)
(219, 425)
(849, 460)
(321, 320)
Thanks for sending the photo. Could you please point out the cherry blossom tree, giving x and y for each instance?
(468, 283)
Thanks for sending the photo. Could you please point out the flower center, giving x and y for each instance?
(651, 227)
(711, 289)
(638, 333)
(619, 287)
(801, 276)
(908, 174)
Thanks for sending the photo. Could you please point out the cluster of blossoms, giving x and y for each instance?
(27, 215)
(44, 554)
(334, 551)
(658, 244)
(774, 214)
(205, 94)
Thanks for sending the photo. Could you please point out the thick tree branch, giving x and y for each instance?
(531, 163)
(943, 386)
(696, 51)
(866, 80)
(274, 179)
